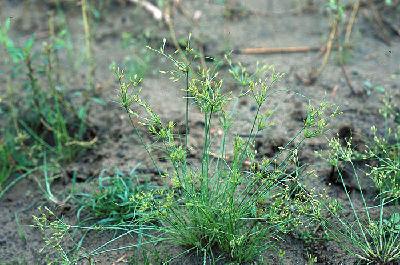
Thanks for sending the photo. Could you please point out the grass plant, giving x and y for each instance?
(385, 152)
(64, 242)
(221, 206)
(117, 199)
(370, 235)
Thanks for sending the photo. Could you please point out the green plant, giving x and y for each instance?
(41, 119)
(62, 39)
(221, 205)
(118, 199)
(120, 204)
(88, 45)
(386, 171)
(336, 7)
(382, 154)
(369, 88)
(64, 243)
(56, 235)
(14, 158)
(6, 166)
(384, 151)
(368, 234)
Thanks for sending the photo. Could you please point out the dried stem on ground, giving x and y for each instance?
(149, 7)
(348, 81)
(350, 24)
(274, 50)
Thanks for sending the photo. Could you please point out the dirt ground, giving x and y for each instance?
(255, 23)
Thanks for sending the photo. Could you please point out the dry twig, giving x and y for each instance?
(149, 7)
(273, 50)
(350, 24)
(348, 81)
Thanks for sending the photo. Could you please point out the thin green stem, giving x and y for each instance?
(142, 142)
(16, 180)
(88, 45)
(353, 207)
(361, 191)
(187, 112)
(206, 154)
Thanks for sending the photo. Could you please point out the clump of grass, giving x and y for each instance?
(222, 206)
(386, 172)
(56, 235)
(385, 152)
(15, 160)
(370, 235)
(64, 243)
(118, 199)
(382, 154)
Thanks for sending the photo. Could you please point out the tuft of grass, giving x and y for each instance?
(117, 199)
(385, 152)
(385, 173)
(370, 235)
(63, 245)
(55, 231)
(220, 205)
(13, 160)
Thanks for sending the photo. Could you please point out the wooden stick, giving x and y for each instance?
(274, 50)
(315, 73)
(350, 24)
(149, 7)
(348, 81)
(329, 45)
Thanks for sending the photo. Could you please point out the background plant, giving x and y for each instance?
(41, 119)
